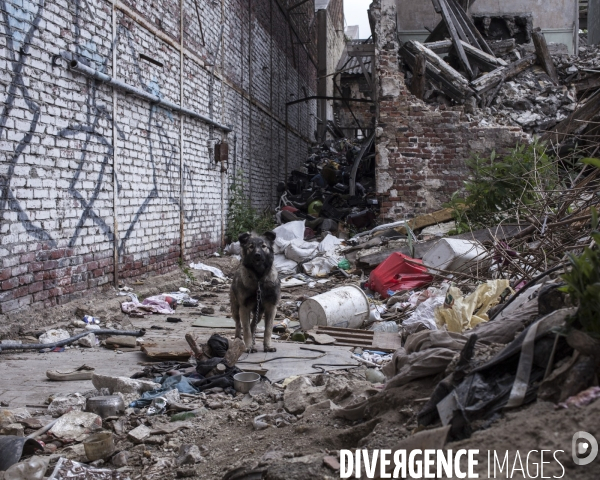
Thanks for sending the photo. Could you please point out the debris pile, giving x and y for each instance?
(338, 185)
(519, 81)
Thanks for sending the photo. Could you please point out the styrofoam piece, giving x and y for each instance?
(454, 255)
(341, 307)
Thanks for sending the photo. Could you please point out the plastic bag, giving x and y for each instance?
(286, 233)
(301, 251)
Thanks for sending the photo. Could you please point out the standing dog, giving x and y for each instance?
(255, 283)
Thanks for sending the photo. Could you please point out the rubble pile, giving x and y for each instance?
(519, 80)
(532, 101)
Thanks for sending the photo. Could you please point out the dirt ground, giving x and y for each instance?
(223, 428)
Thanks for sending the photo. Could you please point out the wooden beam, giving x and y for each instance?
(502, 47)
(475, 38)
(574, 121)
(361, 50)
(419, 80)
(443, 46)
(456, 34)
(458, 93)
(440, 64)
(490, 80)
(544, 57)
(482, 59)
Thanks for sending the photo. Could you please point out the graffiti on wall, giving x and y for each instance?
(21, 23)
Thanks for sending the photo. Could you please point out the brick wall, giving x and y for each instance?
(58, 197)
(421, 151)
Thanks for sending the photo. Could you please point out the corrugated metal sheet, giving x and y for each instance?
(351, 65)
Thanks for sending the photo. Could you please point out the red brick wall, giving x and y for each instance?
(421, 151)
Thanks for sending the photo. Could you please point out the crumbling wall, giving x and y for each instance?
(63, 215)
(420, 151)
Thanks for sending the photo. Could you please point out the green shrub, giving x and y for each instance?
(242, 216)
(583, 285)
(496, 186)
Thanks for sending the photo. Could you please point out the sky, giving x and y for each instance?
(355, 12)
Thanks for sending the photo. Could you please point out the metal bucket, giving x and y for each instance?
(346, 307)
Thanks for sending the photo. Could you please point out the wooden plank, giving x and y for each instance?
(167, 349)
(443, 46)
(387, 342)
(384, 341)
(502, 47)
(574, 121)
(361, 50)
(456, 34)
(544, 57)
(419, 81)
(434, 75)
(446, 70)
(482, 59)
(476, 38)
(491, 80)
(587, 84)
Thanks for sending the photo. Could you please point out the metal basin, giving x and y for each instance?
(243, 382)
(107, 406)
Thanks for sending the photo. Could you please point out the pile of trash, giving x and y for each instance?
(335, 190)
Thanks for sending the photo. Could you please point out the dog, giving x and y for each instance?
(255, 282)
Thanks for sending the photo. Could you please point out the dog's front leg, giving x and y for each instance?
(245, 320)
(270, 312)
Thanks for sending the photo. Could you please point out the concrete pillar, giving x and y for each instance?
(593, 22)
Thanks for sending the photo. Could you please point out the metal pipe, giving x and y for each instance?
(68, 341)
(138, 92)
(115, 158)
(181, 122)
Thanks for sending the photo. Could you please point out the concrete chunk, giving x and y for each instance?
(123, 384)
(139, 434)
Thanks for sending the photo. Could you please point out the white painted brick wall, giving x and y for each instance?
(56, 154)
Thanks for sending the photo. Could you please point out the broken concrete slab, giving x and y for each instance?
(76, 425)
(123, 384)
(139, 434)
(61, 405)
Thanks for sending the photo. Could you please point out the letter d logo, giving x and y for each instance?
(588, 446)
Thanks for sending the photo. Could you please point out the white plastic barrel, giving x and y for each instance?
(346, 307)
(455, 255)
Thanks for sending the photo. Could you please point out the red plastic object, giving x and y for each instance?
(395, 273)
(290, 209)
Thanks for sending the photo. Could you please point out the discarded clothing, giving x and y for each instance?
(149, 305)
(278, 419)
(218, 345)
(508, 380)
(405, 368)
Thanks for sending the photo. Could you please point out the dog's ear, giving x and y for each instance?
(270, 236)
(243, 238)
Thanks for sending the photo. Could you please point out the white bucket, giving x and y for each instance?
(346, 307)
